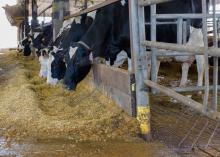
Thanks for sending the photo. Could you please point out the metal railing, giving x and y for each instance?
(176, 49)
(90, 9)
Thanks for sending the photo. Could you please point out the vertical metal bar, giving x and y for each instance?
(59, 10)
(137, 34)
(205, 37)
(34, 21)
(26, 20)
(179, 30)
(215, 70)
(154, 67)
(184, 32)
(218, 28)
(85, 4)
(66, 7)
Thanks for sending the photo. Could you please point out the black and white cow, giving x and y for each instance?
(96, 39)
(38, 40)
(41, 40)
(43, 60)
(77, 28)
(26, 45)
(112, 24)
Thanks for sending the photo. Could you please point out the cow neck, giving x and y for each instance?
(95, 39)
(100, 30)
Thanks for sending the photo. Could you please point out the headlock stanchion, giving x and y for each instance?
(191, 50)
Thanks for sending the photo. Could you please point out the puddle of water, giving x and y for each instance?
(66, 148)
(5, 150)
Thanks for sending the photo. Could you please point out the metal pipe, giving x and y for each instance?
(34, 21)
(184, 32)
(205, 38)
(170, 53)
(90, 9)
(45, 9)
(151, 2)
(184, 16)
(192, 88)
(26, 19)
(179, 30)
(139, 65)
(162, 23)
(182, 48)
(215, 70)
(154, 50)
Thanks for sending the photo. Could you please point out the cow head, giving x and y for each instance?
(78, 61)
(56, 66)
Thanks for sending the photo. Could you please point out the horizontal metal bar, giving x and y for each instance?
(45, 9)
(173, 53)
(184, 16)
(150, 2)
(90, 9)
(162, 23)
(182, 48)
(183, 99)
(192, 89)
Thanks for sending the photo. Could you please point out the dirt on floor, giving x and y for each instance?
(41, 120)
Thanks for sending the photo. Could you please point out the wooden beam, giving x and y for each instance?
(116, 84)
(110, 76)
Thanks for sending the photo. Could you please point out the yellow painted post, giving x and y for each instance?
(137, 34)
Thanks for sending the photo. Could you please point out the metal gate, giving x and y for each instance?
(145, 85)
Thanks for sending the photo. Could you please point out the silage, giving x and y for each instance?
(31, 108)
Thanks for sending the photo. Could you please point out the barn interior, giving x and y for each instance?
(41, 120)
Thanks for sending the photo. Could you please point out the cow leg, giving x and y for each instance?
(185, 70)
(200, 62)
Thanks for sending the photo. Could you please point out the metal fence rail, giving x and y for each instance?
(45, 9)
(90, 9)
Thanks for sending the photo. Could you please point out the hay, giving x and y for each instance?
(31, 108)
